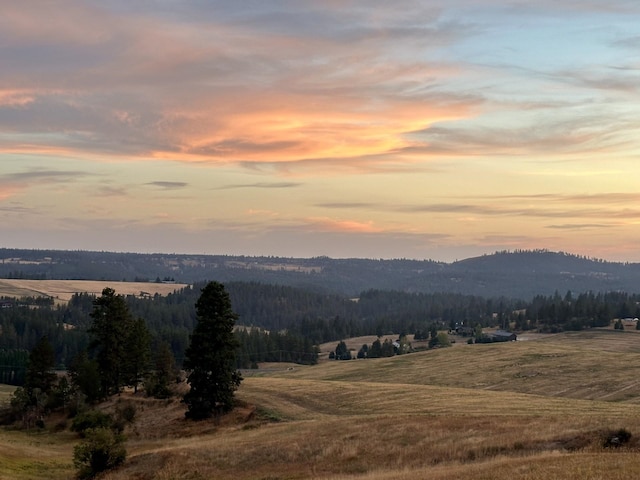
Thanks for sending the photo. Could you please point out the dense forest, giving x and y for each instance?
(518, 274)
(283, 323)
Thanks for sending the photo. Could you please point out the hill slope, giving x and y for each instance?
(512, 274)
(464, 412)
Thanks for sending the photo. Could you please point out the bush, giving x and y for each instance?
(91, 419)
(127, 411)
(102, 449)
(156, 387)
(616, 438)
(125, 414)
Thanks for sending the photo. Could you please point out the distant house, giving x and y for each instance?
(464, 331)
(503, 336)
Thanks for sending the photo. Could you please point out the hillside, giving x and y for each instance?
(521, 274)
(535, 410)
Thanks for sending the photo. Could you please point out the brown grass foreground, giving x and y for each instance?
(415, 416)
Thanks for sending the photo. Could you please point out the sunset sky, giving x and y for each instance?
(380, 129)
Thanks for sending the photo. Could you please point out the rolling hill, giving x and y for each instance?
(534, 410)
(521, 274)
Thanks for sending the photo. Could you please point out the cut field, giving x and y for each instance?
(592, 365)
(63, 290)
(534, 410)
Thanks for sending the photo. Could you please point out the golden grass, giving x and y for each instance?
(5, 393)
(63, 290)
(33, 455)
(594, 364)
(467, 412)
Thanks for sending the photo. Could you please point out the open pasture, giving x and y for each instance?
(477, 412)
(590, 365)
(63, 290)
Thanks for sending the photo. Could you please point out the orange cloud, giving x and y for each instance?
(348, 226)
(286, 128)
(8, 191)
(15, 98)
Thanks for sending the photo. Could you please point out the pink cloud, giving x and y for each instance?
(349, 226)
(15, 98)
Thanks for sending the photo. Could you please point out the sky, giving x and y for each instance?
(373, 129)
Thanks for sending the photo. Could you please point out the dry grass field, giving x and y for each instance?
(533, 410)
(63, 290)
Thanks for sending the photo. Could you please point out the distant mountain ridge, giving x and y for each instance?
(518, 274)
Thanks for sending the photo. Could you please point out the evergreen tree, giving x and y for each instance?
(342, 352)
(40, 377)
(112, 324)
(138, 353)
(387, 349)
(165, 366)
(210, 357)
(376, 349)
(85, 376)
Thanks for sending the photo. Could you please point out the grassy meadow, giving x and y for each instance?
(535, 410)
(63, 290)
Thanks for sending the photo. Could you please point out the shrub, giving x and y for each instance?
(125, 414)
(156, 387)
(91, 419)
(616, 438)
(102, 449)
(127, 411)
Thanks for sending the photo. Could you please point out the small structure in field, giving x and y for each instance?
(503, 336)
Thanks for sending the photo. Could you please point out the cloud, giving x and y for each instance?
(12, 184)
(245, 84)
(287, 86)
(112, 191)
(267, 185)
(619, 206)
(168, 185)
(353, 226)
(632, 42)
(15, 208)
(350, 205)
(579, 226)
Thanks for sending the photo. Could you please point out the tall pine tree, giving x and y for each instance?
(40, 376)
(112, 324)
(138, 341)
(210, 357)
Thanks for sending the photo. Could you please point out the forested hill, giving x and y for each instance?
(520, 274)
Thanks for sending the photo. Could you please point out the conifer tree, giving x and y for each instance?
(40, 376)
(112, 323)
(210, 357)
(138, 341)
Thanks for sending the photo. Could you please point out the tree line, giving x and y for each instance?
(285, 323)
(117, 357)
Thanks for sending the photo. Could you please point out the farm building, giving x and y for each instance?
(503, 336)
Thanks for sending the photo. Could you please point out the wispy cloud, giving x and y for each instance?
(13, 183)
(405, 123)
(262, 185)
(166, 185)
(42, 176)
(603, 206)
(580, 226)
